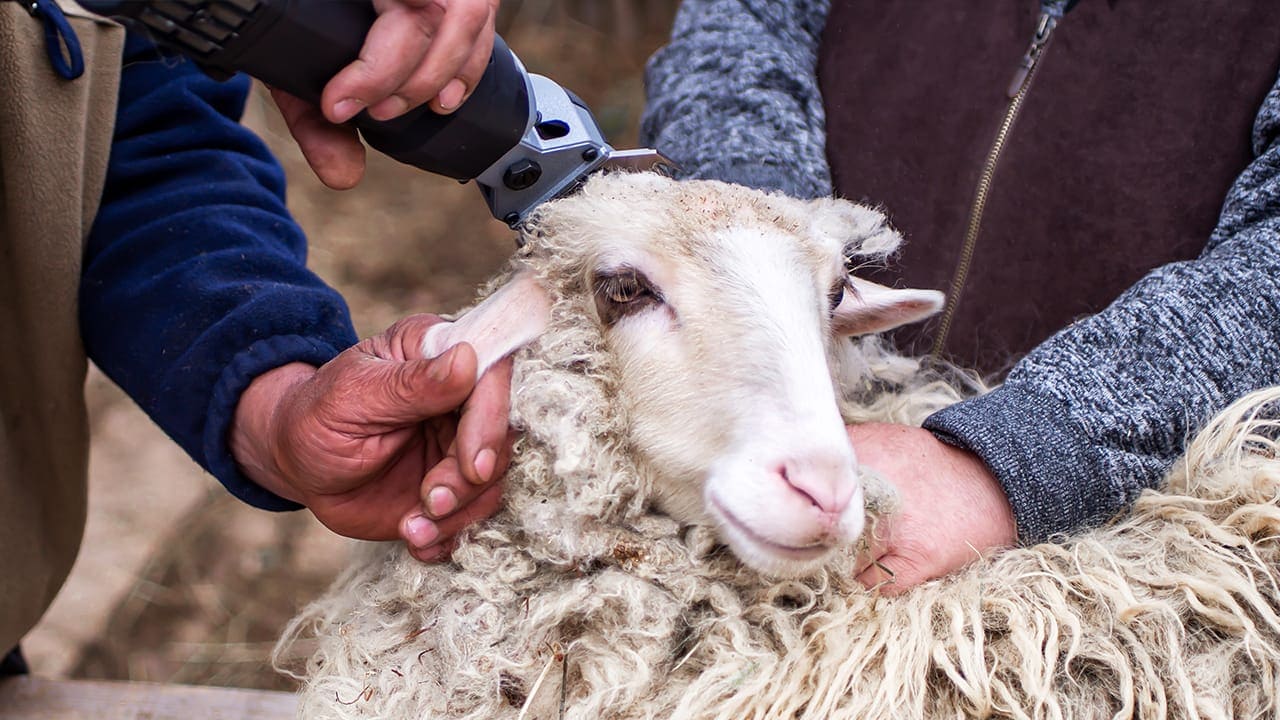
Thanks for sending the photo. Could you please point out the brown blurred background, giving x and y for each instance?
(177, 581)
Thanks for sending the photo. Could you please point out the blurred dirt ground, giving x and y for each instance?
(177, 581)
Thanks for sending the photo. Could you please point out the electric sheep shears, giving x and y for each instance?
(520, 136)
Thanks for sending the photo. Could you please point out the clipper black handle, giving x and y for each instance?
(298, 45)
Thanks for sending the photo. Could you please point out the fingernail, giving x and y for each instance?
(420, 532)
(344, 110)
(393, 106)
(485, 461)
(451, 96)
(441, 501)
(442, 367)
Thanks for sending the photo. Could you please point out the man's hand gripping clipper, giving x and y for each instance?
(521, 137)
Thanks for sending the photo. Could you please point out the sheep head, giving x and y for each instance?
(723, 310)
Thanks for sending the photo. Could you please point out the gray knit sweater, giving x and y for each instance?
(1096, 413)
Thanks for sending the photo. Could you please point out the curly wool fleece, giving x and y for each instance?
(578, 601)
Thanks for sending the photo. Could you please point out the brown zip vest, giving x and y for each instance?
(1137, 122)
(55, 136)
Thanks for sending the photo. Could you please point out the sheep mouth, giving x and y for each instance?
(802, 553)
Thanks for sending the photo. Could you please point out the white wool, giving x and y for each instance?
(579, 601)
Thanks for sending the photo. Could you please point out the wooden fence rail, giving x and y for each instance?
(36, 698)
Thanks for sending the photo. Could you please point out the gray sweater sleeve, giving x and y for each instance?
(1103, 409)
(735, 97)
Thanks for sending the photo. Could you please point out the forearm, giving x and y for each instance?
(735, 96)
(194, 278)
(1101, 411)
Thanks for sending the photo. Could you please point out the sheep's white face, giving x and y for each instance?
(721, 311)
(724, 366)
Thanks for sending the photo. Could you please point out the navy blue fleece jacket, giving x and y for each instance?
(195, 277)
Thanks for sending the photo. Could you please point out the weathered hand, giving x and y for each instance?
(416, 51)
(953, 509)
(380, 443)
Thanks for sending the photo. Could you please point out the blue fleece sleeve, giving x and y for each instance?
(195, 277)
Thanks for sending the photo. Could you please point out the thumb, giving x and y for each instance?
(400, 392)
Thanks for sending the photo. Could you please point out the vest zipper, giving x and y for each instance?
(1023, 77)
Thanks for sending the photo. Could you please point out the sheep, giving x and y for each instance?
(718, 328)
(604, 590)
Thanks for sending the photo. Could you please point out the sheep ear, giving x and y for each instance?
(502, 323)
(872, 308)
(858, 228)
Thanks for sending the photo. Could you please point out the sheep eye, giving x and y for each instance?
(623, 292)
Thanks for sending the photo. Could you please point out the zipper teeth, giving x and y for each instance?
(979, 206)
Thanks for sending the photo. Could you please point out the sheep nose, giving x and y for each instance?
(828, 482)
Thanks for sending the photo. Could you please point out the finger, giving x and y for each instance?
(421, 533)
(439, 432)
(418, 531)
(373, 510)
(445, 490)
(394, 46)
(435, 553)
(484, 506)
(483, 427)
(457, 90)
(465, 30)
(405, 339)
(334, 152)
(505, 453)
(399, 393)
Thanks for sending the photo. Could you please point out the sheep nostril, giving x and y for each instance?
(828, 491)
(786, 478)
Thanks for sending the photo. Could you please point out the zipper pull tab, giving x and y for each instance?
(1044, 28)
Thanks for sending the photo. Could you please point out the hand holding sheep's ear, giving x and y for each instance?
(380, 443)
(952, 510)
(418, 51)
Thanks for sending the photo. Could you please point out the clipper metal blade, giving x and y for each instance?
(639, 160)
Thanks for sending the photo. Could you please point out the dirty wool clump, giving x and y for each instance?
(578, 601)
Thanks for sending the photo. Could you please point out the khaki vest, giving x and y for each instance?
(55, 136)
